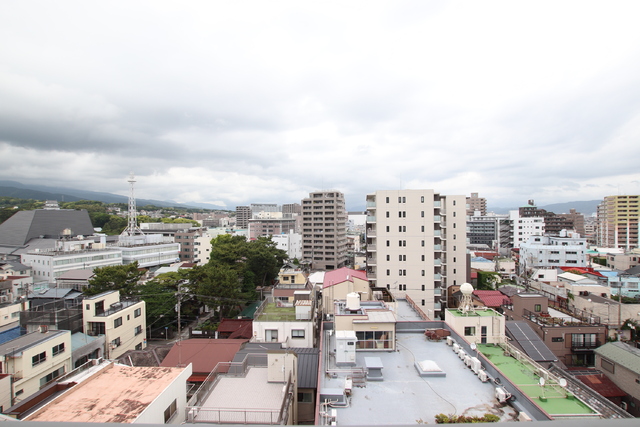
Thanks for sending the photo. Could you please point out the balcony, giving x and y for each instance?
(371, 205)
(437, 277)
(437, 262)
(371, 218)
(372, 261)
(437, 218)
(437, 247)
(585, 345)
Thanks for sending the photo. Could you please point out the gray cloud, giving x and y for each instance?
(255, 102)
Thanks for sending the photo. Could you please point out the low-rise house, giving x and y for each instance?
(291, 323)
(624, 261)
(620, 362)
(570, 335)
(290, 280)
(34, 360)
(75, 279)
(121, 321)
(373, 322)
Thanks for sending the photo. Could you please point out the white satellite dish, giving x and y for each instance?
(473, 346)
(542, 381)
(562, 382)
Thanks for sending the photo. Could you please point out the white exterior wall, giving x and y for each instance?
(430, 226)
(284, 332)
(545, 251)
(48, 266)
(202, 248)
(290, 243)
(177, 390)
(126, 331)
(525, 227)
(10, 314)
(151, 255)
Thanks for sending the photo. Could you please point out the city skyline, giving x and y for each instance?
(228, 104)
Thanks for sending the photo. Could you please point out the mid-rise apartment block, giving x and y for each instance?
(476, 204)
(549, 251)
(618, 222)
(243, 215)
(416, 245)
(524, 226)
(324, 230)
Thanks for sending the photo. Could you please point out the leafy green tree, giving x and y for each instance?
(216, 286)
(487, 280)
(123, 278)
(115, 225)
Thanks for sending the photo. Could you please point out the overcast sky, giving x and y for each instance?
(243, 102)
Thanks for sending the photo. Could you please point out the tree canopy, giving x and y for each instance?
(123, 278)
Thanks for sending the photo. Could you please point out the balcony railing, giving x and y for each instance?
(585, 345)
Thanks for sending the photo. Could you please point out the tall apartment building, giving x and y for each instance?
(521, 227)
(618, 222)
(577, 219)
(553, 224)
(416, 245)
(324, 230)
(243, 215)
(476, 204)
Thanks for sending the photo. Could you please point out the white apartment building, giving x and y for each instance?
(548, 251)
(48, 265)
(523, 227)
(291, 243)
(416, 245)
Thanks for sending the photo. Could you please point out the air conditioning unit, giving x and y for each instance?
(483, 376)
(502, 395)
(462, 354)
(467, 360)
(456, 348)
(476, 366)
(450, 341)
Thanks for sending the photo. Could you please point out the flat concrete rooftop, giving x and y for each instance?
(403, 397)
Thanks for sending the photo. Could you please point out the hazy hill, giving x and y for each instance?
(43, 192)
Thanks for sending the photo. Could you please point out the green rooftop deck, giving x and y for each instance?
(552, 398)
(273, 313)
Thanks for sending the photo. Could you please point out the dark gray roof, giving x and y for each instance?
(16, 346)
(633, 270)
(529, 341)
(308, 359)
(56, 293)
(13, 265)
(27, 225)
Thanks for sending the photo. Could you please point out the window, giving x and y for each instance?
(387, 214)
(388, 257)
(51, 376)
(388, 242)
(271, 335)
(607, 365)
(305, 397)
(388, 272)
(387, 228)
(138, 330)
(297, 333)
(421, 199)
(170, 411)
(422, 228)
(117, 322)
(423, 302)
(537, 308)
(557, 339)
(38, 358)
(404, 214)
(421, 214)
(423, 287)
(387, 200)
(138, 346)
(422, 257)
(56, 350)
(115, 343)
(454, 237)
(469, 331)
(422, 243)
(423, 275)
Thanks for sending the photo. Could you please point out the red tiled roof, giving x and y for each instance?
(584, 270)
(602, 384)
(340, 275)
(204, 354)
(238, 328)
(487, 255)
(492, 298)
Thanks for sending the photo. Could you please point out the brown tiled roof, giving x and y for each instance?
(602, 384)
(204, 354)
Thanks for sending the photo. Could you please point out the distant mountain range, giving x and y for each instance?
(62, 194)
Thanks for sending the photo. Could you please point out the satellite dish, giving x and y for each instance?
(542, 381)
(562, 382)
(473, 346)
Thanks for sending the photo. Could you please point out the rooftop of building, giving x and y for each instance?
(622, 354)
(203, 354)
(114, 394)
(478, 312)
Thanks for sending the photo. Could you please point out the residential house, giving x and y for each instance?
(291, 323)
(121, 321)
(35, 359)
(620, 362)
